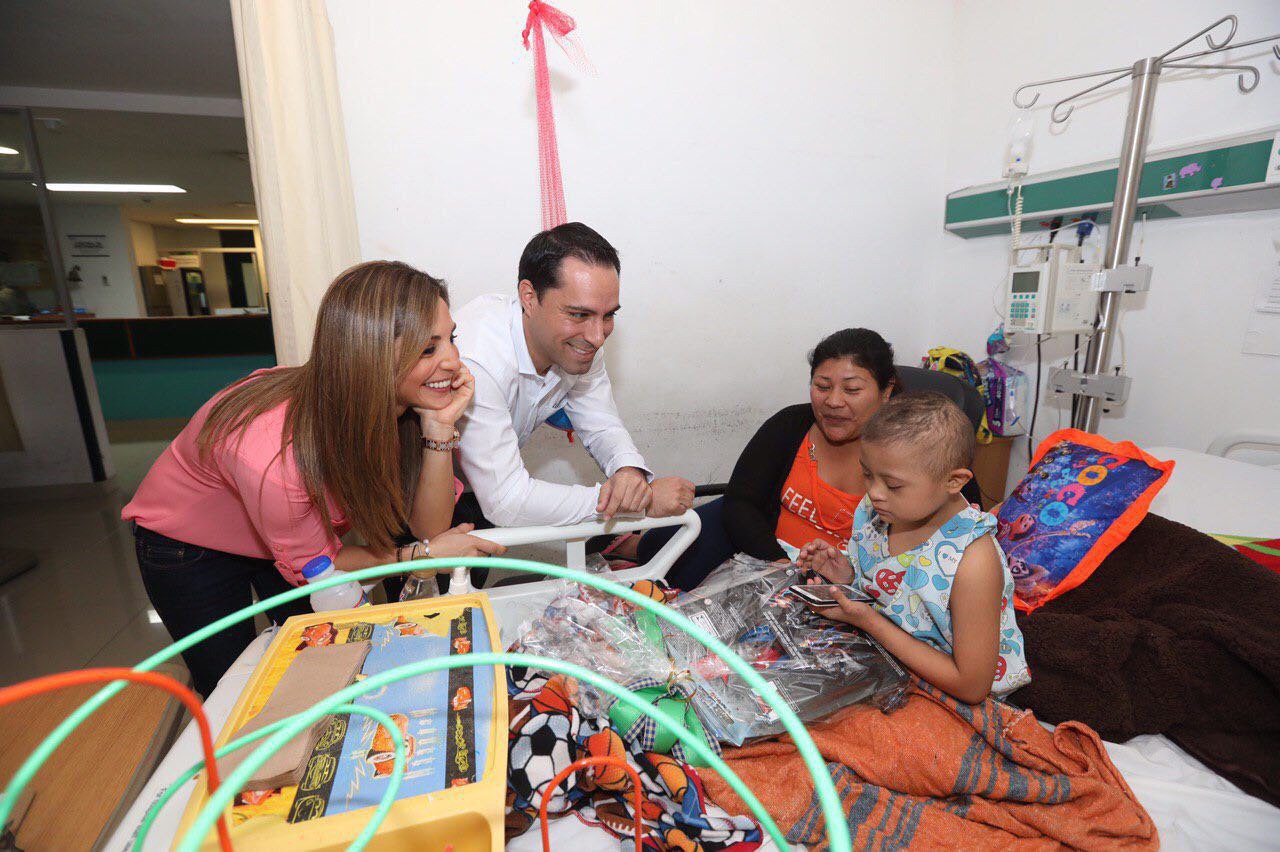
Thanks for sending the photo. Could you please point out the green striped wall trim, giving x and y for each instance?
(1165, 180)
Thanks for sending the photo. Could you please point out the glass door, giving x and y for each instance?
(33, 284)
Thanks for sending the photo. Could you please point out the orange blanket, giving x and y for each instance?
(940, 774)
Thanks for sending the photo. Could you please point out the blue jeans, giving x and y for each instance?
(708, 551)
(192, 587)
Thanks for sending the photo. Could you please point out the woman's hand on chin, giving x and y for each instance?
(439, 424)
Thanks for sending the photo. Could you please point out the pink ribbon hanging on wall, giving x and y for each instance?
(559, 25)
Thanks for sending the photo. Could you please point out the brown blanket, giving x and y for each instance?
(1174, 634)
(937, 774)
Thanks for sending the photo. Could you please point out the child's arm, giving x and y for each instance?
(966, 673)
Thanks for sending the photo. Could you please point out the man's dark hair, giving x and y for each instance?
(540, 262)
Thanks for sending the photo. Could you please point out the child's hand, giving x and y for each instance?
(855, 613)
(826, 560)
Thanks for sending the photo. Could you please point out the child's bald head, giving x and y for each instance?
(930, 425)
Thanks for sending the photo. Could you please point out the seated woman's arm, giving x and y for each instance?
(750, 501)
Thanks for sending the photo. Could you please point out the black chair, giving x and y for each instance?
(955, 389)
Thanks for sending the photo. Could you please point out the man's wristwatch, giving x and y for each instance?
(442, 446)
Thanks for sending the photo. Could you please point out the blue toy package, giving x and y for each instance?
(1007, 388)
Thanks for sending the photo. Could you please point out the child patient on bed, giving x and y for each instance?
(942, 591)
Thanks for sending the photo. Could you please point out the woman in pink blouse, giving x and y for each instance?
(274, 469)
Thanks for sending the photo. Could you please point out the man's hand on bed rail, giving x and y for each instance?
(627, 492)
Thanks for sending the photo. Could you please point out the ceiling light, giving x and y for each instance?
(216, 221)
(114, 187)
(8, 152)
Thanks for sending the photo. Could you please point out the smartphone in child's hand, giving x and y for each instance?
(820, 595)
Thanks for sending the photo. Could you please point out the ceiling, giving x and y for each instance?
(174, 47)
(204, 155)
(177, 47)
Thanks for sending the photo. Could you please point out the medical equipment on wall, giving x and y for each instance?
(1095, 384)
(1048, 290)
(1018, 154)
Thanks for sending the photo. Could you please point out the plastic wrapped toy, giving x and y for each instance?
(817, 665)
(585, 626)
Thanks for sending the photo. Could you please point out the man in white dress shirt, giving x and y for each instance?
(537, 352)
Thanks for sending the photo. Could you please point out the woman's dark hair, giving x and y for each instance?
(541, 259)
(865, 348)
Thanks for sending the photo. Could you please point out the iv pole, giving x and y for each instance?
(1144, 75)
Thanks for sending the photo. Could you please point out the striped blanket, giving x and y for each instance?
(940, 774)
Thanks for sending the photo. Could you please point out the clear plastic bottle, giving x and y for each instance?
(341, 596)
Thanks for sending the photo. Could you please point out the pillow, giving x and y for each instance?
(1081, 498)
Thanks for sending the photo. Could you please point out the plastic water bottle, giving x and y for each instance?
(341, 596)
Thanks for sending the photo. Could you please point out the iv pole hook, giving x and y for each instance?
(1207, 32)
(1246, 88)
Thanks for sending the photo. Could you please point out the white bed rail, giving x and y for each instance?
(514, 604)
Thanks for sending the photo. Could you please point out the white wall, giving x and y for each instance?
(773, 174)
(43, 406)
(143, 235)
(769, 173)
(1182, 341)
(111, 287)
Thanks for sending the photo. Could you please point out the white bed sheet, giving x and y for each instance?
(1193, 808)
(1217, 495)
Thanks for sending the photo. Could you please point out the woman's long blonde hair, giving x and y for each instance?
(374, 321)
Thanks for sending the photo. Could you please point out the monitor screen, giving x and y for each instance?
(1026, 282)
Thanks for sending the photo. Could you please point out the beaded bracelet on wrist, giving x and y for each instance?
(442, 446)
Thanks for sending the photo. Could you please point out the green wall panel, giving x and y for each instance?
(165, 388)
(1236, 165)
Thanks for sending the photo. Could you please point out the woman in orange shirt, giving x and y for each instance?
(815, 450)
(799, 478)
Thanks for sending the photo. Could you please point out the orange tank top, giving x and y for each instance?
(810, 507)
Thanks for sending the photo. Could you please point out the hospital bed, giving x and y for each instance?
(1193, 808)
